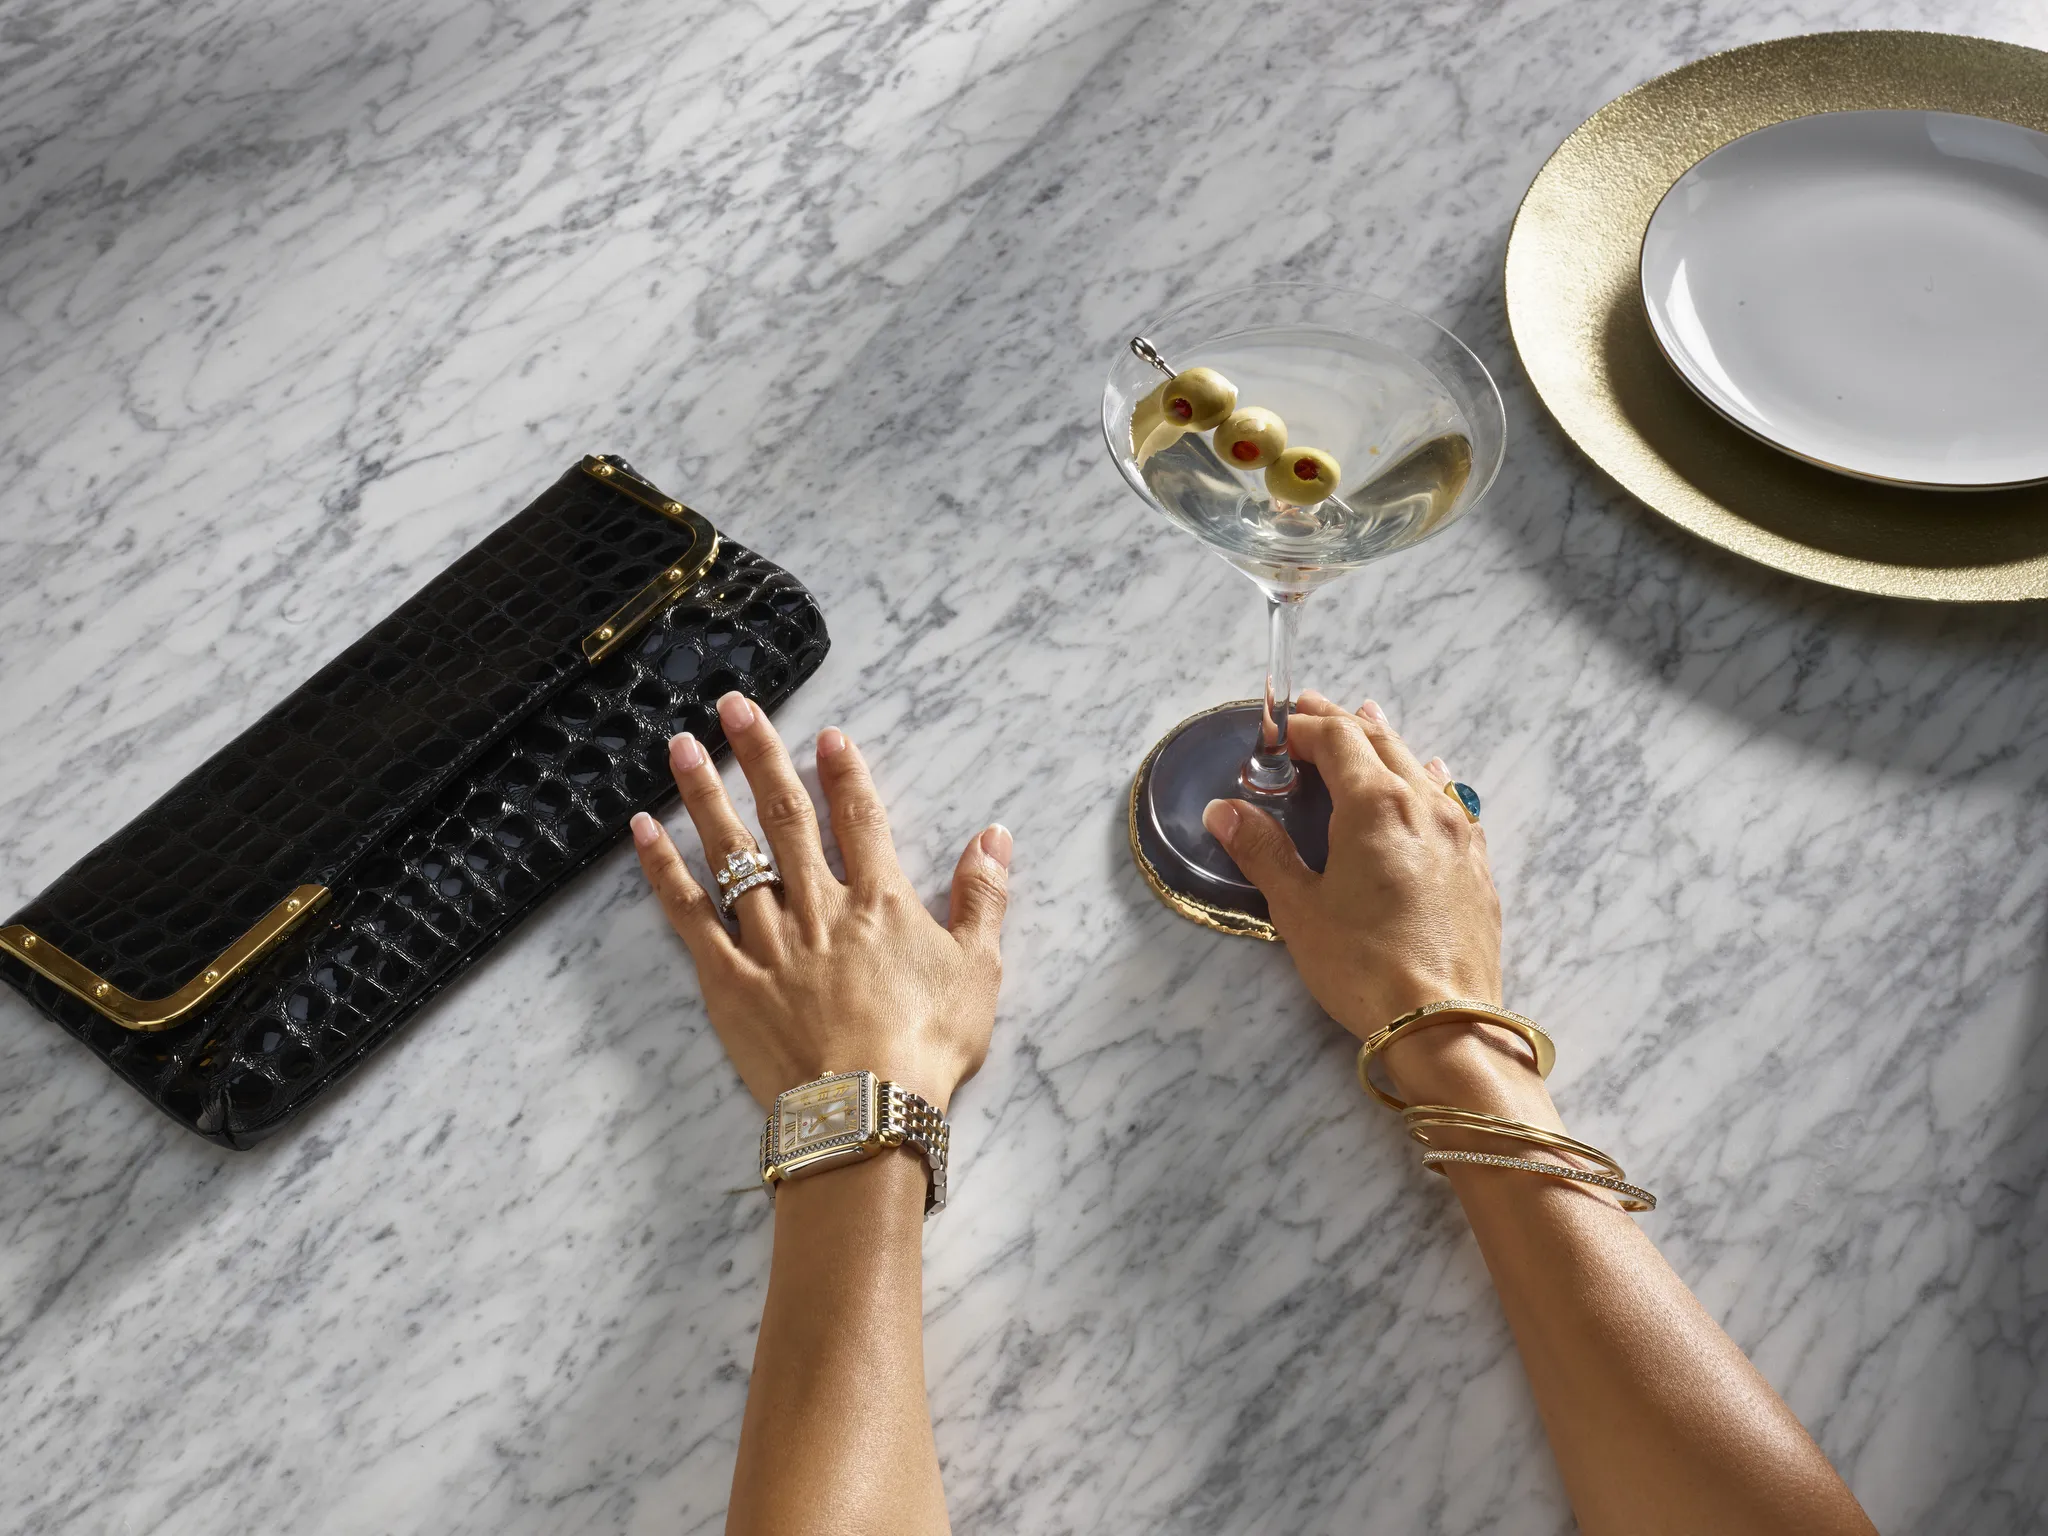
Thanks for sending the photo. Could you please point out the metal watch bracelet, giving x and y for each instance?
(915, 1123)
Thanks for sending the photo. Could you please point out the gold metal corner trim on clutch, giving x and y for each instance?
(673, 582)
(1222, 919)
(1575, 311)
(146, 1015)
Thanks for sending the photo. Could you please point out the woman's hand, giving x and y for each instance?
(828, 976)
(1404, 912)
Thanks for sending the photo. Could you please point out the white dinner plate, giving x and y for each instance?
(1868, 291)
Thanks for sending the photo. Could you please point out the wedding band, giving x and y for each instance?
(745, 868)
(1466, 796)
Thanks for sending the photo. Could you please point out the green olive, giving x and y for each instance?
(1250, 438)
(1197, 398)
(1303, 476)
(1145, 415)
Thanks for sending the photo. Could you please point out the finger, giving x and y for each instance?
(981, 891)
(1262, 849)
(780, 800)
(1339, 749)
(718, 825)
(692, 914)
(858, 820)
(1437, 771)
(1392, 750)
(1312, 703)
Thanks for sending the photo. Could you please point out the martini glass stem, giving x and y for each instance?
(1269, 770)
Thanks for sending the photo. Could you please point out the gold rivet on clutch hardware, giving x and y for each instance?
(604, 469)
(28, 941)
(213, 976)
(605, 633)
(292, 905)
(674, 508)
(675, 575)
(101, 990)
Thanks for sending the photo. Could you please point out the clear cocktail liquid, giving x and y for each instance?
(1398, 435)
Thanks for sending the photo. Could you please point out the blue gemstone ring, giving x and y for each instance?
(1466, 796)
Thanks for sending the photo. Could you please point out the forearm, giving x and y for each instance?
(1658, 1422)
(837, 1435)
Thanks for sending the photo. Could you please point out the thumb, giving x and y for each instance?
(981, 890)
(1261, 847)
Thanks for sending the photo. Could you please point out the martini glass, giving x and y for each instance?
(1396, 414)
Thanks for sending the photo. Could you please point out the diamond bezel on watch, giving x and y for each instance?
(785, 1155)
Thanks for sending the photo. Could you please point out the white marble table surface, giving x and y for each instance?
(297, 301)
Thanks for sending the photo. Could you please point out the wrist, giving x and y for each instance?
(1469, 1065)
(887, 1189)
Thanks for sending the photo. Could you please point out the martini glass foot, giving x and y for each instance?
(1200, 760)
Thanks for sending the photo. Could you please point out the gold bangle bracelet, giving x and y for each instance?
(1452, 1010)
(1633, 1197)
(1420, 1117)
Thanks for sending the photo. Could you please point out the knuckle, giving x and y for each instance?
(1379, 739)
(1259, 833)
(686, 904)
(753, 745)
(860, 813)
(1263, 839)
(703, 789)
(984, 890)
(785, 807)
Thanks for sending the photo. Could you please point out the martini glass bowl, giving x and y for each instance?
(1392, 431)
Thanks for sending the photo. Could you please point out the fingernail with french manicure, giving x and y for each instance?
(1220, 817)
(1373, 712)
(830, 740)
(997, 843)
(685, 753)
(644, 830)
(735, 713)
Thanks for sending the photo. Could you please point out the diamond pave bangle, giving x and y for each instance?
(1633, 1197)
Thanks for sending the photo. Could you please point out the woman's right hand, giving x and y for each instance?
(1404, 912)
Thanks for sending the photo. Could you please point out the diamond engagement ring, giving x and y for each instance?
(744, 870)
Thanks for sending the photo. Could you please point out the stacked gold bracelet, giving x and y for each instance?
(1421, 1118)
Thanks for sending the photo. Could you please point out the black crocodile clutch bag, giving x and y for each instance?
(240, 946)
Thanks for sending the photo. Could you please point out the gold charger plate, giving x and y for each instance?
(1576, 311)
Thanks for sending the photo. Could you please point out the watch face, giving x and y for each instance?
(817, 1114)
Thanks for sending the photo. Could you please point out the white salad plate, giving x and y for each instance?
(1867, 291)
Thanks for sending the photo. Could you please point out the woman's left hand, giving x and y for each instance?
(824, 975)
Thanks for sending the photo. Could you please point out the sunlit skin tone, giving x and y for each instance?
(1657, 1420)
(835, 976)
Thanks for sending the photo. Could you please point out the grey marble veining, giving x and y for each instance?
(297, 301)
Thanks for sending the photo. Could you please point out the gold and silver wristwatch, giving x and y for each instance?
(846, 1117)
